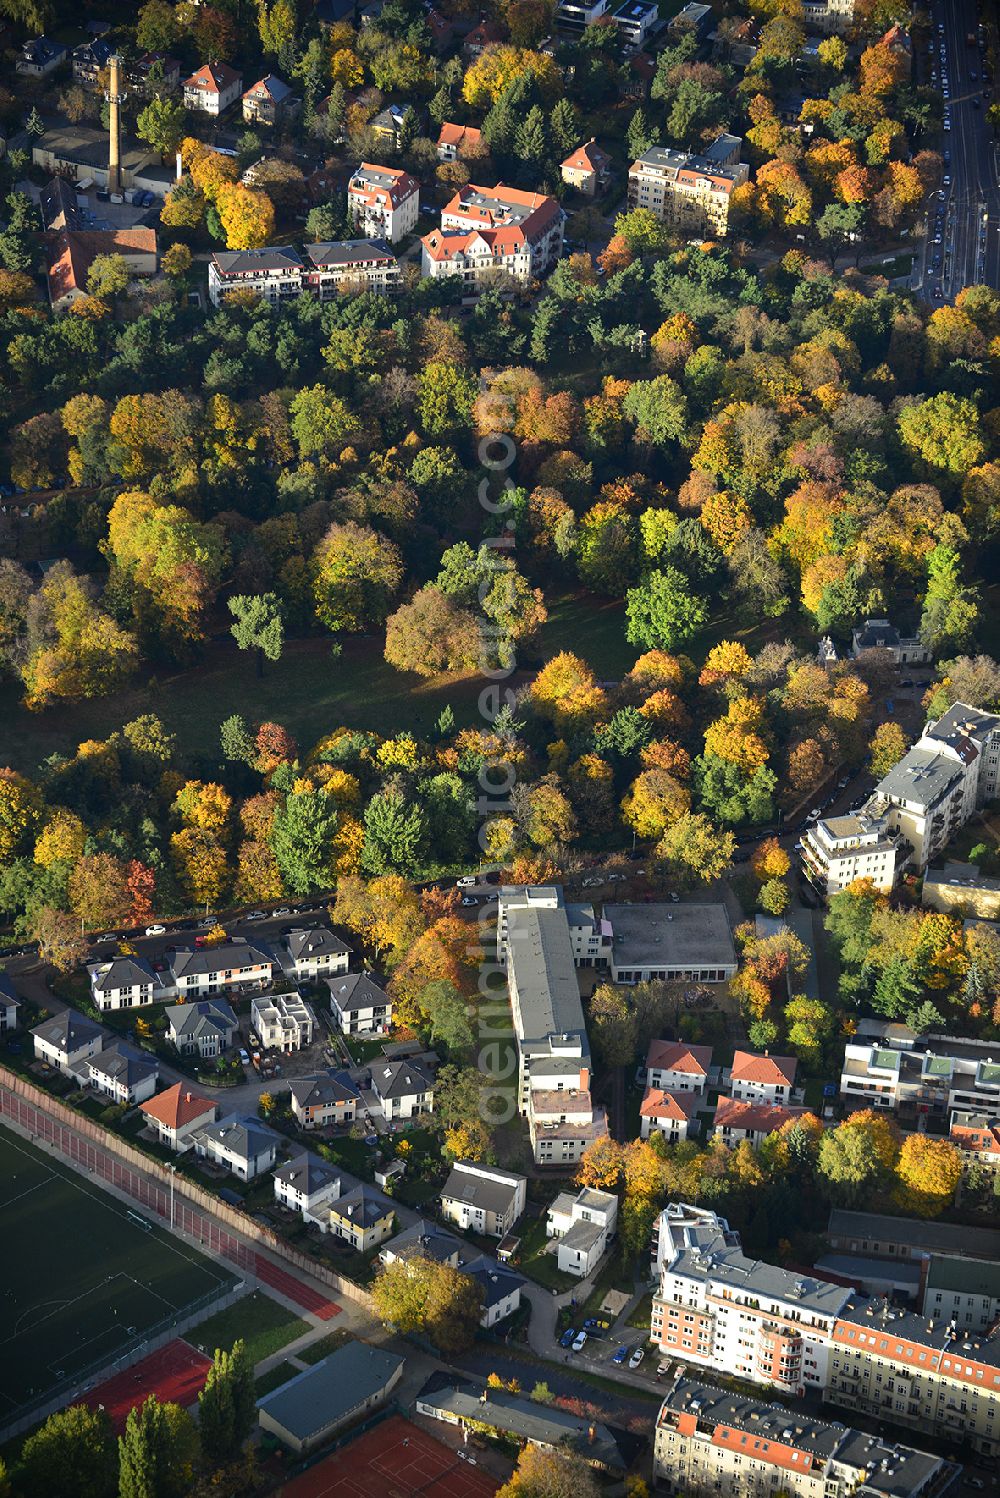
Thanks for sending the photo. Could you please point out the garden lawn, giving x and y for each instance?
(264, 1325)
(539, 1265)
(277, 1376)
(322, 1348)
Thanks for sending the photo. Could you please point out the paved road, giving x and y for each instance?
(970, 250)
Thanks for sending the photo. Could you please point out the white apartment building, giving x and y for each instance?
(690, 193)
(838, 850)
(589, 936)
(515, 224)
(583, 1225)
(274, 273)
(533, 936)
(709, 1441)
(720, 1309)
(283, 1021)
(278, 272)
(573, 17)
(670, 1113)
(935, 1074)
(951, 771)
(383, 201)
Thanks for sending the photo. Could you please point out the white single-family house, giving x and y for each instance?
(67, 1039)
(245, 1147)
(283, 1021)
(483, 1198)
(358, 1005)
(762, 1079)
(318, 1102)
(122, 983)
(212, 88)
(122, 1074)
(671, 1113)
(675, 1066)
(175, 1115)
(206, 1028)
(9, 1004)
(314, 953)
(583, 1224)
(306, 1183)
(402, 1089)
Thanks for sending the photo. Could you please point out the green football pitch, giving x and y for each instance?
(83, 1278)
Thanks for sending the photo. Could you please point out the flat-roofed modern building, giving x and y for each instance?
(684, 942)
(690, 193)
(321, 1400)
(930, 1074)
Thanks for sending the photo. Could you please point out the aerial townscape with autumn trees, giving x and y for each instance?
(499, 748)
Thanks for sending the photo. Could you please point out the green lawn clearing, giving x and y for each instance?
(278, 1375)
(322, 1347)
(84, 1276)
(264, 1325)
(539, 1265)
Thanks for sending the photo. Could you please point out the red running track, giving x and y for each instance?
(294, 1289)
(175, 1373)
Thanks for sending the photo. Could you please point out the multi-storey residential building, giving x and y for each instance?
(965, 1292)
(152, 72)
(907, 1239)
(306, 1183)
(533, 935)
(121, 1073)
(9, 1004)
(343, 265)
(273, 273)
(910, 1074)
(951, 771)
(977, 1135)
(283, 1021)
(838, 850)
(635, 19)
(383, 201)
(474, 255)
(590, 938)
(709, 1441)
(212, 88)
(690, 193)
(269, 101)
(66, 1040)
(573, 17)
(762, 1079)
(720, 1309)
(90, 59)
(516, 222)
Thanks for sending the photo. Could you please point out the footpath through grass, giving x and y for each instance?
(84, 1276)
(264, 1324)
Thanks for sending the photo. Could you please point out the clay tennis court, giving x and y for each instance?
(394, 1460)
(175, 1373)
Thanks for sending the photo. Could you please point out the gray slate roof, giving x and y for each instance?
(68, 1031)
(192, 1020)
(313, 1091)
(357, 991)
(523, 1418)
(363, 1205)
(124, 1066)
(125, 972)
(307, 1173)
(228, 956)
(318, 941)
(424, 1240)
(320, 1396)
(934, 1237)
(495, 1281)
(8, 993)
(464, 1185)
(395, 1079)
(241, 1136)
(348, 252)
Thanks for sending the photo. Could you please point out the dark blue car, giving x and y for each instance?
(567, 1338)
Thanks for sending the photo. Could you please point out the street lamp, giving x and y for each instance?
(173, 1172)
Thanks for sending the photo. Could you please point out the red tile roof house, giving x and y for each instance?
(670, 1112)
(212, 88)
(736, 1121)
(486, 34)
(675, 1066)
(762, 1079)
(175, 1114)
(588, 169)
(486, 228)
(454, 140)
(383, 201)
(70, 254)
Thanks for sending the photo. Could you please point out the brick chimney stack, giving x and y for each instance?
(115, 97)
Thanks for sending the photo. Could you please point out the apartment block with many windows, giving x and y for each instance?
(710, 1441)
(690, 193)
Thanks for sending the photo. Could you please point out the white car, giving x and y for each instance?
(591, 882)
(156, 930)
(244, 1056)
(255, 915)
(466, 881)
(579, 1341)
(636, 1357)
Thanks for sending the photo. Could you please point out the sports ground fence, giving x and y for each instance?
(181, 1204)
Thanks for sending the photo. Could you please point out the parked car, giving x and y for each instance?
(816, 813)
(465, 882)
(591, 882)
(579, 1341)
(890, 706)
(244, 1056)
(255, 915)
(620, 1356)
(568, 1337)
(156, 930)
(469, 900)
(285, 910)
(636, 1357)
